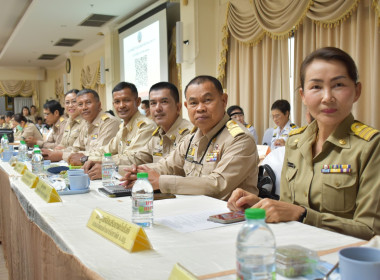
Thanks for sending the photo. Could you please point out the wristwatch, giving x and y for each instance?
(83, 159)
(303, 216)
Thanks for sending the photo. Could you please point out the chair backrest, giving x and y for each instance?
(267, 138)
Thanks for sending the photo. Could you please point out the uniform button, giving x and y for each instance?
(305, 194)
(342, 142)
(296, 141)
(337, 184)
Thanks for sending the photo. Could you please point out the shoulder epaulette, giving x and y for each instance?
(140, 123)
(104, 117)
(248, 125)
(292, 125)
(181, 131)
(193, 129)
(121, 125)
(61, 119)
(155, 131)
(297, 130)
(26, 125)
(233, 128)
(363, 131)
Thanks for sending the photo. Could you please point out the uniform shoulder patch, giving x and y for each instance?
(61, 119)
(297, 130)
(140, 123)
(181, 131)
(193, 129)
(248, 125)
(104, 117)
(234, 129)
(292, 125)
(155, 131)
(363, 131)
(121, 125)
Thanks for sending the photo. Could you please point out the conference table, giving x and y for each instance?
(51, 240)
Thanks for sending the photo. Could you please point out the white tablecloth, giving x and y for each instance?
(201, 252)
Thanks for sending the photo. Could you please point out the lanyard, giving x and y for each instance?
(208, 145)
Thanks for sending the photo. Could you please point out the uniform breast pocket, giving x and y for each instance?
(339, 192)
(290, 178)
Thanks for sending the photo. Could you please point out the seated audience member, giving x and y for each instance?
(74, 123)
(8, 120)
(329, 178)
(33, 113)
(2, 122)
(280, 113)
(98, 131)
(39, 124)
(237, 113)
(134, 133)
(25, 128)
(219, 157)
(53, 112)
(26, 113)
(145, 107)
(172, 128)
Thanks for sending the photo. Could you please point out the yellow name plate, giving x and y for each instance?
(47, 192)
(123, 233)
(20, 168)
(29, 179)
(181, 273)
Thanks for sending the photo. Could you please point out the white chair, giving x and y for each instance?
(267, 138)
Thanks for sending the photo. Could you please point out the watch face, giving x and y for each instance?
(68, 65)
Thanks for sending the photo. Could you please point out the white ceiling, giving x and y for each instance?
(30, 28)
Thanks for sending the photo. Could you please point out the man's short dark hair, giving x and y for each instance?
(19, 118)
(2, 118)
(9, 114)
(166, 85)
(205, 78)
(146, 103)
(122, 85)
(72, 91)
(91, 91)
(54, 105)
(233, 108)
(282, 105)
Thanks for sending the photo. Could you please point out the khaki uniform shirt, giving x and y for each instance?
(281, 134)
(55, 136)
(347, 202)
(130, 138)
(72, 130)
(94, 135)
(29, 130)
(197, 168)
(160, 145)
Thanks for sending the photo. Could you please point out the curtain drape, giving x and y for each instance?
(14, 88)
(254, 52)
(19, 102)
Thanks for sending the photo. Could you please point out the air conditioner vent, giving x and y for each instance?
(48, 56)
(65, 42)
(96, 20)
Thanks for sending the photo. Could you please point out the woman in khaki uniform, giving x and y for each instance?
(24, 128)
(329, 177)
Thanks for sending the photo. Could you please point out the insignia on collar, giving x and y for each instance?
(181, 131)
(193, 129)
(155, 131)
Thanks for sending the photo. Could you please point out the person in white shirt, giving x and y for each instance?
(236, 113)
(280, 113)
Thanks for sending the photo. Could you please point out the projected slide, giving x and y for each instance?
(142, 57)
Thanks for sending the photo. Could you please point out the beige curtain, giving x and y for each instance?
(254, 50)
(90, 78)
(356, 30)
(59, 90)
(20, 88)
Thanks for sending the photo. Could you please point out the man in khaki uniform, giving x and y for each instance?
(24, 129)
(135, 130)
(218, 158)
(99, 129)
(165, 109)
(53, 113)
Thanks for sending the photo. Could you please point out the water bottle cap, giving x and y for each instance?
(107, 154)
(142, 175)
(22, 142)
(37, 151)
(255, 213)
(36, 146)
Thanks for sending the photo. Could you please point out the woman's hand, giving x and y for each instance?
(241, 199)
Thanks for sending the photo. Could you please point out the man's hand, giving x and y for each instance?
(241, 199)
(74, 159)
(130, 176)
(153, 176)
(30, 141)
(89, 164)
(54, 156)
(59, 147)
(95, 171)
(279, 211)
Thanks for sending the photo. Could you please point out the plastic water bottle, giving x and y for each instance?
(37, 162)
(255, 248)
(5, 143)
(22, 151)
(108, 168)
(142, 201)
(35, 148)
